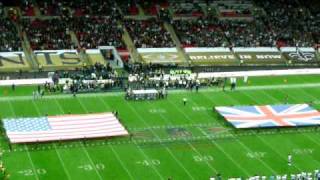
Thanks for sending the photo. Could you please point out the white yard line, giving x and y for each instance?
(91, 161)
(219, 147)
(59, 157)
(168, 150)
(32, 164)
(121, 162)
(306, 135)
(140, 149)
(245, 146)
(193, 148)
(62, 162)
(226, 154)
(266, 143)
(26, 148)
(84, 149)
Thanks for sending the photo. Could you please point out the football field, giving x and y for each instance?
(169, 139)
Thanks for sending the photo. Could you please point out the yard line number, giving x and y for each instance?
(31, 172)
(89, 167)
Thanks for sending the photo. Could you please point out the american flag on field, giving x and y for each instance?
(66, 127)
(270, 115)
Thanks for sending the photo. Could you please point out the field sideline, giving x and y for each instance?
(170, 140)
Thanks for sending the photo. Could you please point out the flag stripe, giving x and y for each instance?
(71, 137)
(57, 132)
(64, 127)
(68, 134)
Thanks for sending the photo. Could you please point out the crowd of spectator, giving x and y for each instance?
(1, 10)
(94, 8)
(248, 34)
(290, 21)
(53, 7)
(97, 31)
(200, 33)
(283, 23)
(128, 7)
(9, 36)
(149, 33)
(208, 32)
(27, 8)
(48, 34)
(76, 7)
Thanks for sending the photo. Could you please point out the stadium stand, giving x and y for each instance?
(248, 33)
(10, 40)
(153, 7)
(27, 8)
(48, 34)
(1, 10)
(289, 20)
(129, 7)
(196, 23)
(94, 8)
(97, 31)
(200, 33)
(149, 33)
(53, 7)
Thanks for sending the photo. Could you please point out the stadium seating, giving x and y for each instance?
(128, 7)
(10, 40)
(52, 8)
(94, 8)
(97, 31)
(48, 34)
(58, 24)
(1, 10)
(27, 8)
(148, 33)
(248, 34)
(290, 21)
(200, 33)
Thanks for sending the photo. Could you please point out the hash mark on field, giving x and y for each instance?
(149, 162)
(157, 111)
(304, 151)
(199, 108)
(256, 155)
(202, 158)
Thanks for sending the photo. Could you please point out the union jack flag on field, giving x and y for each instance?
(270, 115)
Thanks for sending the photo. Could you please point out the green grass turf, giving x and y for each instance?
(204, 146)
